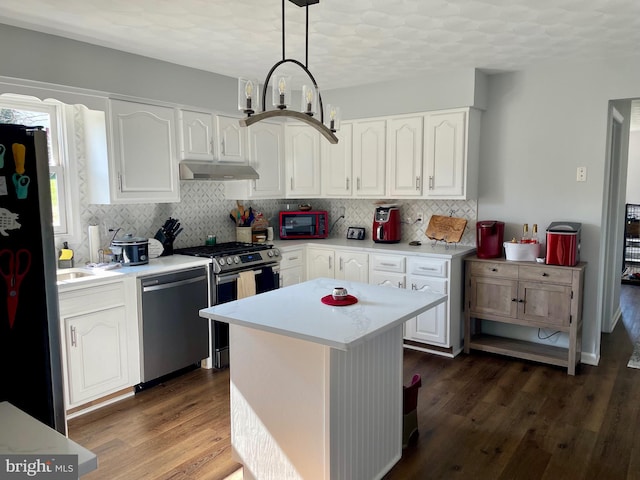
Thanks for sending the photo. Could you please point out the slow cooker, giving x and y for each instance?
(130, 250)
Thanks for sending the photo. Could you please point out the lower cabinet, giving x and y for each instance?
(338, 264)
(100, 341)
(528, 295)
(291, 266)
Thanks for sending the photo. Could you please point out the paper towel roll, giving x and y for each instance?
(94, 243)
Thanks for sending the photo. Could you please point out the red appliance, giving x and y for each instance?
(386, 224)
(304, 224)
(489, 238)
(563, 243)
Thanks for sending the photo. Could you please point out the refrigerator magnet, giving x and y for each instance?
(3, 186)
(8, 221)
(2, 150)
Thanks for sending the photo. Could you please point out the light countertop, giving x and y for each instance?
(296, 311)
(427, 249)
(23, 434)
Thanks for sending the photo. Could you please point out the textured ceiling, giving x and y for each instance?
(351, 42)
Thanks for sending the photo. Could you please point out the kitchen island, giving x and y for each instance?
(316, 390)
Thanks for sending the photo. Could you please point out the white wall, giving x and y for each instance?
(540, 126)
(633, 172)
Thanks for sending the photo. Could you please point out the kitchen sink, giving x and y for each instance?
(72, 275)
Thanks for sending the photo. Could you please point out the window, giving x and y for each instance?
(46, 115)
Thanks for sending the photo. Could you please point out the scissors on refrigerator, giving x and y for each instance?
(14, 267)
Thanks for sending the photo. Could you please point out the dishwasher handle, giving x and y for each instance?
(164, 286)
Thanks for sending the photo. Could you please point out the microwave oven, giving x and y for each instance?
(298, 224)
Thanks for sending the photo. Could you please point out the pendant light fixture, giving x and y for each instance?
(311, 104)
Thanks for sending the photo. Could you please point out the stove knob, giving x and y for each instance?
(221, 261)
(236, 259)
(229, 260)
(270, 253)
(276, 252)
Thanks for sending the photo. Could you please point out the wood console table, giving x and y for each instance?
(527, 294)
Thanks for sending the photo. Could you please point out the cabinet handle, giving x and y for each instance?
(74, 342)
(514, 299)
(341, 264)
(330, 262)
(120, 181)
(430, 182)
(388, 264)
(545, 274)
(494, 269)
(417, 183)
(399, 284)
(292, 258)
(414, 286)
(347, 183)
(223, 149)
(291, 183)
(211, 147)
(358, 183)
(520, 301)
(428, 269)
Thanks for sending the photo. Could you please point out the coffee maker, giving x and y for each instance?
(386, 224)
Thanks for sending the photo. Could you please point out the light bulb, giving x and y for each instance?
(309, 95)
(282, 86)
(248, 89)
(332, 113)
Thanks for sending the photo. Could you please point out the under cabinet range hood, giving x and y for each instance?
(204, 170)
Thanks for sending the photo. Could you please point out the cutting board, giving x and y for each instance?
(448, 229)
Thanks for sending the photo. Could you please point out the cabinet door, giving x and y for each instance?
(431, 326)
(302, 161)
(369, 158)
(404, 156)
(232, 140)
(352, 266)
(337, 164)
(494, 296)
(445, 154)
(266, 155)
(292, 267)
(544, 303)
(320, 263)
(387, 279)
(197, 135)
(146, 168)
(291, 276)
(96, 353)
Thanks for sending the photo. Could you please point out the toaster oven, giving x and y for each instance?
(298, 224)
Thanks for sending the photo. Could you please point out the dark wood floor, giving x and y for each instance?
(480, 416)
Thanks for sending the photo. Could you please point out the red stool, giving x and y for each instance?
(409, 410)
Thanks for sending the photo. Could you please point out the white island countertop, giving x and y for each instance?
(296, 311)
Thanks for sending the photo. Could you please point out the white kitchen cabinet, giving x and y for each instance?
(142, 166)
(100, 341)
(451, 153)
(338, 264)
(292, 266)
(387, 270)
(302, 154)
(266, 156)
(231, 140)
(431, 326)
(369, 158)
(337, 164)
(197, 135)
(404, 156)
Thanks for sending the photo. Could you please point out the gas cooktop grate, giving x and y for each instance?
(227, 248)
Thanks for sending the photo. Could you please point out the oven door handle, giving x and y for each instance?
(231, 277)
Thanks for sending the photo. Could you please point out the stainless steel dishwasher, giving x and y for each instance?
(173, 335)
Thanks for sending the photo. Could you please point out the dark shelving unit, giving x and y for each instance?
(631, 263)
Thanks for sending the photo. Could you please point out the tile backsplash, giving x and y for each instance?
(204, 209)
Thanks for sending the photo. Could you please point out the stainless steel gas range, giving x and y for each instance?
(228, 260)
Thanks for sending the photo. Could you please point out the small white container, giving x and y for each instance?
(521, 252)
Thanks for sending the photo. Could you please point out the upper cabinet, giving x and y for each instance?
(404, 156)
(232, 141)
(142, 165)
(197, 135)
(451, 154)
(337, 164)
(369, 157)
(266, 156)
(302, 154)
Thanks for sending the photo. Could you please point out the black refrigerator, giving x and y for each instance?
(30, 357)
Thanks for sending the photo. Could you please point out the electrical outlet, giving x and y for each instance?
(581, 174)
(342, 210)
